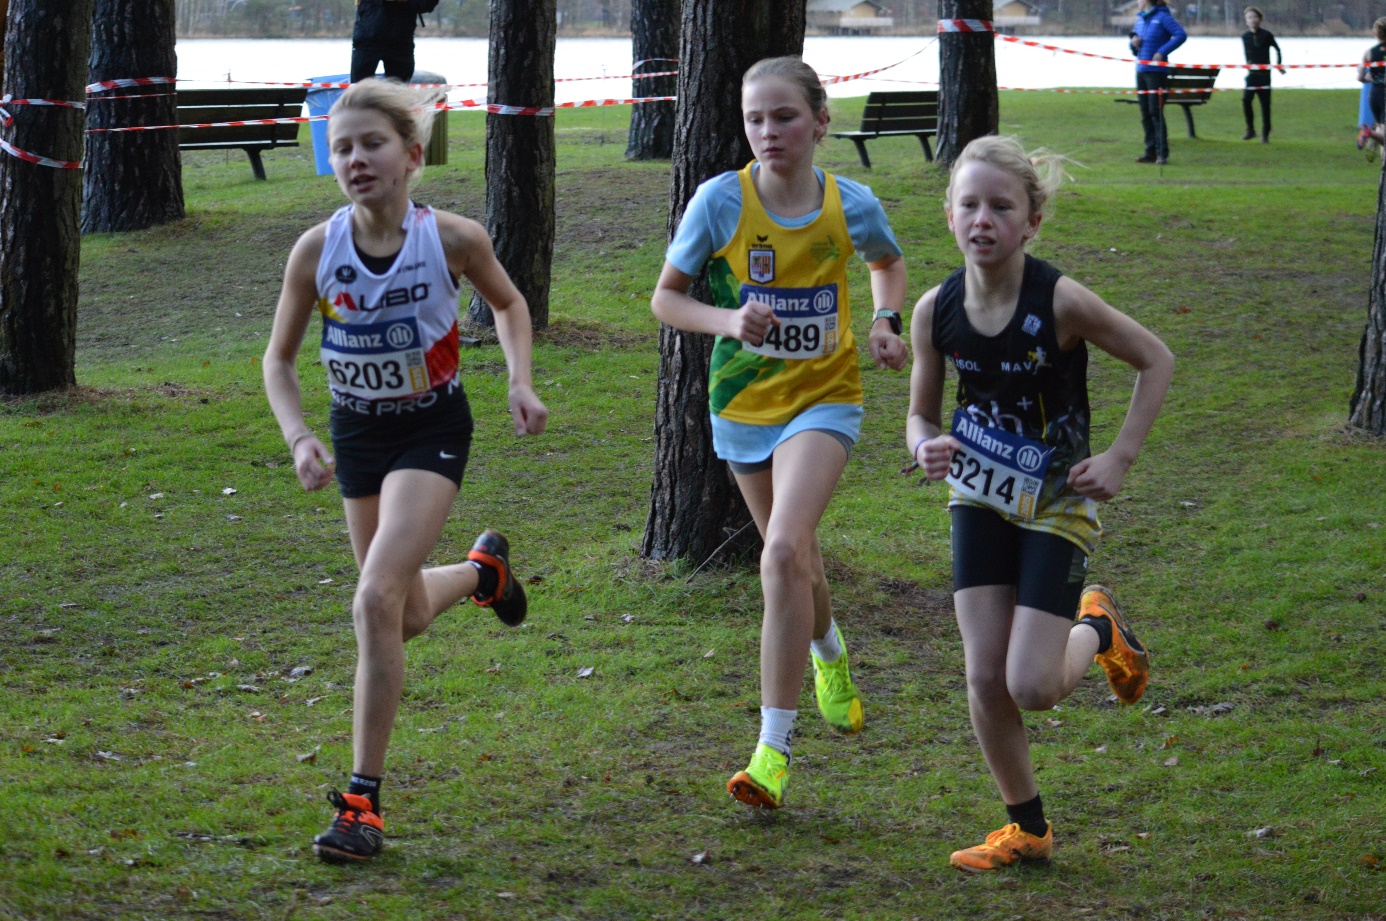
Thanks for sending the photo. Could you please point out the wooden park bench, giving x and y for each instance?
(896, 114)
(196, 107)
(1196, 86)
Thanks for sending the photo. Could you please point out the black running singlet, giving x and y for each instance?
(1019, 380)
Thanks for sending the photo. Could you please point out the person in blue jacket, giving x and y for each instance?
(384, 34)
(1153, 36)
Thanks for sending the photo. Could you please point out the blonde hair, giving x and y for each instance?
(408, 109)
(794, 70)
(1040, 172)
(1379, 27)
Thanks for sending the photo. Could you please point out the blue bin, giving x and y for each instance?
(319, 100)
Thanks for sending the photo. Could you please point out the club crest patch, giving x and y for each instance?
(1031, 325)
(761, 265)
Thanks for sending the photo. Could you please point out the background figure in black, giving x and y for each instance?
(1258, 42)
(384, 32)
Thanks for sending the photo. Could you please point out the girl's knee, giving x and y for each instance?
(785, 559)
(377, 604)
(1031, 693)
(987, 687)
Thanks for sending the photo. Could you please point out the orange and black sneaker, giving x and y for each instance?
(1004, 847)
(357, 833)
(1126, 663)
(508, 600)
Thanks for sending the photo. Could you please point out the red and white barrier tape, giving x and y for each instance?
(35, 158)
(1107, 57)
(128, 81)
(964, 25)
(866, 73)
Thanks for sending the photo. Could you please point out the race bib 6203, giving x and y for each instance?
(373, 361)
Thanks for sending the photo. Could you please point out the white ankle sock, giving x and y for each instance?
(828, 648)
(777, 729)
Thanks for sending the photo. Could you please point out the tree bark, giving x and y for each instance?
(694, 503)
(520, 152)
(46, 45)
(967, 102)
(134, 179)
(1367, 408)
(654, 32)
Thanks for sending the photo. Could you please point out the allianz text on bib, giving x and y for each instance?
(806, 321)
(997, 468)
(374, 361)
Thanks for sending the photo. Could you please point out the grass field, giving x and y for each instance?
(159, 759)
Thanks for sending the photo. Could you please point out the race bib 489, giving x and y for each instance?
(807, 321)
(997, 468)
(374, 360)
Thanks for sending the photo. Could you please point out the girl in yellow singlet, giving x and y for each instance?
(784, 390)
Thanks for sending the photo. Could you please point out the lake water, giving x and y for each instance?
(463, 60)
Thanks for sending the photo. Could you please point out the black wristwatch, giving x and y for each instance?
(883, 314)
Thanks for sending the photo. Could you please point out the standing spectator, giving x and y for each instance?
(1376, 78)
(1258, 42)
(384, 32)
(1153, 36)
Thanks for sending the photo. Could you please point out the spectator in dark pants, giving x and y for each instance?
(1257, 43)
(1153, 36)
(384, 32)
(1372, 71)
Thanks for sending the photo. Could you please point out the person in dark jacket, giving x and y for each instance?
(384, 32)
(1257, 43)
(1153, 36)
(1372, 72)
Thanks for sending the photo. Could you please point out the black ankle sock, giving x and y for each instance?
(1029, 815)
(486, 580)
(1103, 626)
(369, 787)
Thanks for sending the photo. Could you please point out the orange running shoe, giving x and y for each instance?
(357, 833)
(1126, 663)
(1004, 847)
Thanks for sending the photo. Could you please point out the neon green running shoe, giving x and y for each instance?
(838, 699)
(762, 783)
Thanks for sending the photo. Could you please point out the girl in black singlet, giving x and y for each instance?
(1023, 482)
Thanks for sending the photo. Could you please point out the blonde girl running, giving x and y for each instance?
(383, 272)
(1024, 486)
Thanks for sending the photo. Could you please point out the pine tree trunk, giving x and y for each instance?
(134, 179)
(694, 503)
(967, 103)
(654, 31)
(46, 45)
(1367, 408)
(520, 152)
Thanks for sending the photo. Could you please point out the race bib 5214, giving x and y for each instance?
(997, 468)
(807, 321)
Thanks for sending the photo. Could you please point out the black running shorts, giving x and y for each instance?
(1047, 571)
(403, 435)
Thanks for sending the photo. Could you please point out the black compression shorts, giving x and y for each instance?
(1047, 571)
(436, 436)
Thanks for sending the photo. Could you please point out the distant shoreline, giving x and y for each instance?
(1115, 30)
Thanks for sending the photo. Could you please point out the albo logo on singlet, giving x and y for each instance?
(395, 297)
